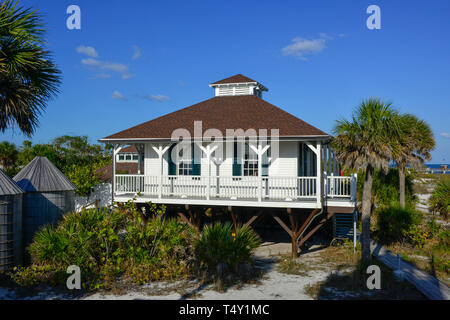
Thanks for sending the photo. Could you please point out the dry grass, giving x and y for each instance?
(432, 259)
(347, 278)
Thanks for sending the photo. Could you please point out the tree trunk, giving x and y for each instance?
(366, 209)
(401, 178)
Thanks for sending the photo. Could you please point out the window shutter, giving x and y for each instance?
(265, 164)
(196, 161)
(305, 160)
(237, 166)
(172, 165)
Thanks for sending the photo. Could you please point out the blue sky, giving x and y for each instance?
(135, 60)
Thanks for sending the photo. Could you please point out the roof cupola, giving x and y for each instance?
(238, 85)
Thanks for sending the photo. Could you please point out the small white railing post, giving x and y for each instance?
(332, 183)
(325, 185)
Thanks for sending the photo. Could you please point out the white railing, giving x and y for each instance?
(184, 186)
(245, 188)
(235, 187)
(341, 187)
(289, 188)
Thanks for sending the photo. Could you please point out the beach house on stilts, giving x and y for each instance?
(237, 150)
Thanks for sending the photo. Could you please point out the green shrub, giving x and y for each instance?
(394, 222)
(385, 188)
(108, 243)
(158, 249)
(218, 244)
(440, 198)
(88, 239)
(416, 235)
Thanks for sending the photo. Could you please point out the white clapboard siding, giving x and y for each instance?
(151, 161)
(286, 164)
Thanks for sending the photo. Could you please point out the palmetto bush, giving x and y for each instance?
(108, 243)
(219, 244)
(440, 198)
(88, 239)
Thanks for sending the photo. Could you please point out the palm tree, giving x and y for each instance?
(28, 77)
(366, 142)
(8, 155)
(415, 141)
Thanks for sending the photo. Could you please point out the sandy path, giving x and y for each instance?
(274, 285)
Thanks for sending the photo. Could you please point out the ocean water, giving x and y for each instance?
(437, 167)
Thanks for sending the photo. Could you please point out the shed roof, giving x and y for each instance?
(8, 186)
(40, 175)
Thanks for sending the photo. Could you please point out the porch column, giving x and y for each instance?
(319, 174)
(208, 151)
(318, 151)
(140, 148)
(260, 152)
(116, 150)
(160, 150)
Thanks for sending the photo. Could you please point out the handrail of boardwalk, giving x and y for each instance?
(431, 287)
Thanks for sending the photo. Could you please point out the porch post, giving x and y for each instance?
(319, 173)
(208, 151)
(318, 151)
(140, 148)
(160, 152)
(259, 175)
(260, 151)
(116, 150)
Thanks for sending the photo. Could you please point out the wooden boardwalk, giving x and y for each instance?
(431, 287)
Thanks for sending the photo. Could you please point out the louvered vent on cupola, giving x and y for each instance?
(238, 85)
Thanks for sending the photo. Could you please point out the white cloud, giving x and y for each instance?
(91, 62)
(160, 98)
(101, 76)
(120, 68)
(118, 96)
(153, 97)
(117, 67)
(89, 51)
(301, 46)
(137, 53)
(325, 36)
(445, 135)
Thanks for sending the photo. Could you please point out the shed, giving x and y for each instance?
(10, 223)
(48, 195)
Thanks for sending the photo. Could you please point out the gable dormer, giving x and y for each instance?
(238, 85)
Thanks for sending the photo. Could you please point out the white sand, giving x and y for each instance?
(274, 285)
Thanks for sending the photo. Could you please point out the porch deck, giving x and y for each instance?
(276, 192)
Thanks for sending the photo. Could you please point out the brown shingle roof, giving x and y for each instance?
(225, 112)
(105, 173)
(235, 79)
(130, 149)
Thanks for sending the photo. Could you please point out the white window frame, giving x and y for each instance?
(185, 166)
(249, 162)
